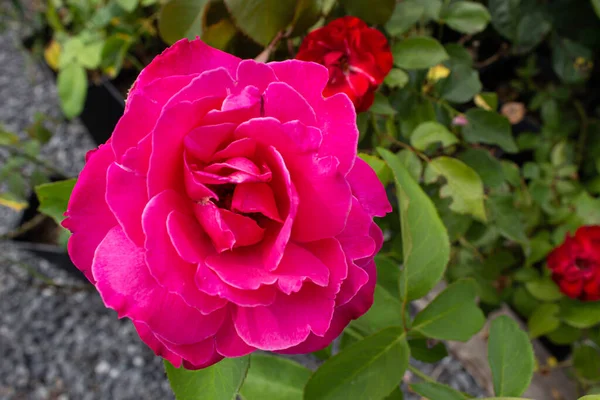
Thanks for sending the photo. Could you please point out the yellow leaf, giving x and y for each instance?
(438, 72)
(552, 362)
(481, 103)
(13, 203)
(52, 54)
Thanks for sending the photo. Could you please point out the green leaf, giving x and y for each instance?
(72, 89)
(580, 314)
(8, 138)
(571, 61)
(261, 20)
(526, 29)
(507, 218)
(544, 289)
(274, 378)
(434, 390)
(113, 54)
(220, 381)
(379, 166)
(564, 334)
(397, 78)
(452, 315)
(511, 357)
(395, 395)
(128, 5)
(90, 54)
(487, 166)
(586, 361)
(421, 350)
(463, 185)
(387, 309)
(412, 162)
(461, 85)
(373, 12)
(219, 34)
(307, 14)
(429, 133)
(418, 53)
(596, 5)
(490, 128)
(381, 105)
(54, 198)
(425, 242)
(543, 320)
(368, 369)
(405, 16)
(180, 19)
(467, 17)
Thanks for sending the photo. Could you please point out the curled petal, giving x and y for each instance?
(164, 263)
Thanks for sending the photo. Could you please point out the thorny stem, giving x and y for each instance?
(42, 163)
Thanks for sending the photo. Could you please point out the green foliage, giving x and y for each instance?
(418, 53)
(432, 390)
(375, 12)
(452, 315)
(511, 357)
(425, 243)
(368, 369)
(220, 381)
(274, 378)
(54, 197)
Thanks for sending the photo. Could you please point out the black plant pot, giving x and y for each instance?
(103, 107)
(42, 239)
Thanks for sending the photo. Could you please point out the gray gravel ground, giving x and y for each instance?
(57, 341)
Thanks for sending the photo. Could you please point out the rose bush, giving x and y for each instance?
(575, 264)
(229, 212)
(357, 57)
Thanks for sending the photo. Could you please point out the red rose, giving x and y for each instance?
(575, 264)
(358, 58)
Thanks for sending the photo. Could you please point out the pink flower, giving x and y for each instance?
(229, 212)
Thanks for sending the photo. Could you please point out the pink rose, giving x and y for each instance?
(229, 212)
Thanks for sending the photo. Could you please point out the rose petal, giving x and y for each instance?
(155, 344)
(355, 238)
(245, 230)
(202, 142)
(285, 104)
(288, 321)
(166, 161)
(188, 238)
(126, 196)
(245, 147)
(325, 198)
(126, 286)
(255, 198)
(184, 58)
(337, 120)
(299, 265)
(211, 220)
(171, 271)
(87, 208)
(135, 124)
(229, 344)
(368, 190)
(210, 283)
(307, 78)
(252, 73)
